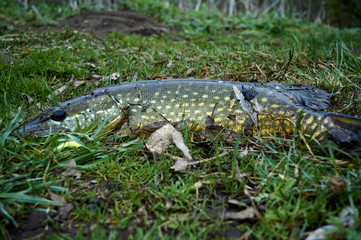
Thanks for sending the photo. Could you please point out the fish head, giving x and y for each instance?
(74, 115)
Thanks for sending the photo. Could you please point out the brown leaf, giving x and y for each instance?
(190, 71)
(71, 171)
(247, 213)
(160, 140)
(64, 210)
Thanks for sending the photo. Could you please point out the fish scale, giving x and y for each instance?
(134, 105)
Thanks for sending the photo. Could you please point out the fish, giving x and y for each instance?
(251, 109)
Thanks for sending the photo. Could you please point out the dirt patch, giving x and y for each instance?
(105, 22)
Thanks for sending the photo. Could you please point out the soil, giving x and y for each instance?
(105, 22)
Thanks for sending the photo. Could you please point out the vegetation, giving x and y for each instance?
(116, 188)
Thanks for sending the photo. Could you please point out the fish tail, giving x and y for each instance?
(344, 130)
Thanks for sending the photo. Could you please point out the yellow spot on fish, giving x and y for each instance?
(216, 97)
(172, 113)
(309, 120)
(167, 107)
(193, 100)
(264, 99)
(201, 104)
(136, 99)
(127, 99)
(153, 101)
(207, 87)
(159, 107)
(205, 96)
(152, 117)
(134, 110)
(209, 113)
(197, 111)
(145, 117)
(169, 92)
(195, 93)
(233, 102)
(185, 104)
(172, 100)
(275, 106)
(193, 104)
(217, 120)
(281, 112)
(185, 95)
(227, 98)
(220, 109)
(156, 93)
(177, 105)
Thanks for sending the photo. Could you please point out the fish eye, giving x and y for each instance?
(58, 115)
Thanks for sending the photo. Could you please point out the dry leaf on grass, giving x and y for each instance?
(160, 140)
(71, 171)
(247, 213)
(64, 210)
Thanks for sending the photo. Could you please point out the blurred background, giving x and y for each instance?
(339, 13)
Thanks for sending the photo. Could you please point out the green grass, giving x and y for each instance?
(123, 191)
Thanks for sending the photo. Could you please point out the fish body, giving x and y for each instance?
(277, 107)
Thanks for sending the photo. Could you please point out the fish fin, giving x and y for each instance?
(307, 96)
(344, 130)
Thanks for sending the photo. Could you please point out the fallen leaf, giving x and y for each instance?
(71, 171)
(65, 209)
(190, 71)
(180, 165)
(96, 76)
(78, 83)
(160, 140)
(62, 89)
(247, 213)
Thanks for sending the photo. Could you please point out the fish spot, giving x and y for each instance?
(275, 106)
(264, 99)
(220, 109)
(172, 100)
(185, 95)
(216, 97)
(167, 107)
(205, 96)
(172, 113)
(201, 104)
(169, 92)
(134, 110)
(197, 111)
(195, 93)
(145, 117)
(156, 93)
(153, 101)
(159, 107)
(309, 120)
(239, 111)
(227, 98)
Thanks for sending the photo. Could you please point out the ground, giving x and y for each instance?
(105, 22)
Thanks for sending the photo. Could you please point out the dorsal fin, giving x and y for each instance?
(306, 96)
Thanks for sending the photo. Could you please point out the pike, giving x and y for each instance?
(248, 108)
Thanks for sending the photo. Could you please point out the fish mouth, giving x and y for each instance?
(35, 127)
